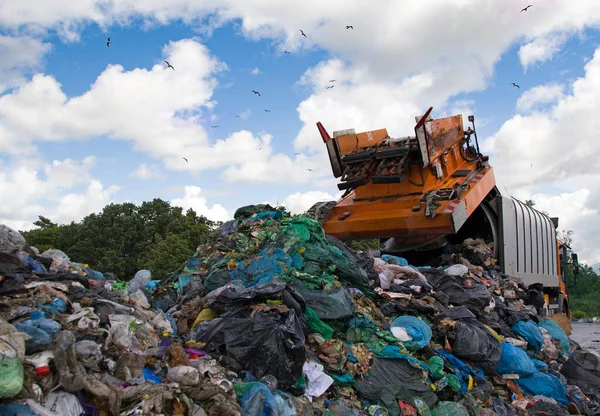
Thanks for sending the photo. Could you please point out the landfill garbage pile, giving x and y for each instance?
(273, 317)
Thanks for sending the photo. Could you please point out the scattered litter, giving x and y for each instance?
(273, 317)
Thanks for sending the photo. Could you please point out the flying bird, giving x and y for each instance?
(302, 33)
(515, 85)
(108, 42)
(185, 159)
(330, 87)
(332, 80)
(525, 8)
(256, 92)
(169, 65)
(286, 52)
(238, 116)
(214, 127)
(267, 111)
(260, 148)
(297, 154)
(350, 27)
(310, 170)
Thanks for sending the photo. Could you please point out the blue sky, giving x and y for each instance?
(387, 73)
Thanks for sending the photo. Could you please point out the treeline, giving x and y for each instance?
(584, 292)
(125, 238)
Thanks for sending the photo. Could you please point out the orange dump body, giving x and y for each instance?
(416, 188)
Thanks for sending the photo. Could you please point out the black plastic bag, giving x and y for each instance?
(459, 312)
(263, 344)
(11, 263)
(335, 305)
(234, 303)
(583, 366)
(473, 342)
(390, 380)
(469, 292)
(434, 276)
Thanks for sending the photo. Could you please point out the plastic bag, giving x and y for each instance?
(530, 332)
(256, 399)
(390, 380)
(262, 268)
(335, 305)
(419, 331)
(11, 375)
(64, 404)
(470, 292)
(457, 270)
(395, 260)
(141, 279)
(475, 343)
(10, 239)
(556, 333)
(515, 361)
(583, 366)
(543, 384)
(316, 325)
(262, 344)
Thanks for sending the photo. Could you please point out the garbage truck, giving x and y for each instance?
(418, 193)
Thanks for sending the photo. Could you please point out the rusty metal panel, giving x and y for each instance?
(442, 134)
(348, 143)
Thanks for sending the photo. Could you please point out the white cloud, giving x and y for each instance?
(542, 94)
(560, 142)
(20, 55)
(74, 206)
(300, 202)
(193, 198)
(29, 188)
(159, 110)
(576, 211)
(145, 171)
(255, 71)
(541, 49)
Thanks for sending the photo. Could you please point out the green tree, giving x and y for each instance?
(125, 238)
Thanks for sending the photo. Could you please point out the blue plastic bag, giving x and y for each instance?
(557, 333)
(461, 369)
(531, 333)
(56, 306)
(417, 329)
(544, 384)
(540, 365)
(262, 268)
(515, 361)
(256, 399)
(400, 260)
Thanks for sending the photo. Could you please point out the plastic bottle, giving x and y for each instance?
(40, 361)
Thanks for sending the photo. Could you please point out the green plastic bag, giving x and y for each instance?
(316, 325)
(11, 377)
